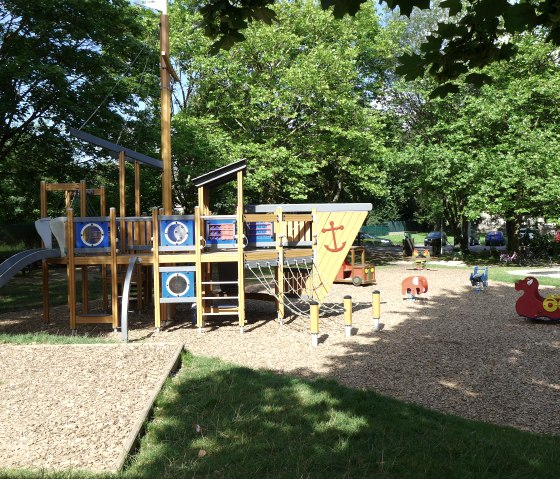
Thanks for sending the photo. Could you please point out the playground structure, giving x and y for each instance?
(358, 273)
(479, 278)
(420, 258)
(202, 259)
(532, 304)
(294, 251)
(413, 286)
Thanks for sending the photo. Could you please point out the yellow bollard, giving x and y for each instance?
(314, 313)
(376, 309)
(348, 316)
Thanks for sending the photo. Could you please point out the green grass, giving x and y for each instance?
(497, 273)
(46, 338)
(25, 291)
(263, 425)
(259, 424)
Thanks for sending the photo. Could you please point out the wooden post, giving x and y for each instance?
(198, 227)
(280, 228)
(83, 212)
(157, 290)
(376, 309)
(122, 200)
(70, 268)
(165, 117)
(314, 313)
(137, 225)
(44, 263)
(240, 253)
(103, 212)
(114, 269)
(348, 315)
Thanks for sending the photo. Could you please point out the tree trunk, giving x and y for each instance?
(512, 232)
(464, 234)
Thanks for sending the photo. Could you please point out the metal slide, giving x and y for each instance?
(17, 262)
(126, 295)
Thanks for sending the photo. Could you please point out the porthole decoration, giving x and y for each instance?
(92, 234)
(177, 232)
(178, 284)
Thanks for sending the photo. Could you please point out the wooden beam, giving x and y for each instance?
(131, 155)
(169, 66)
(166, 178)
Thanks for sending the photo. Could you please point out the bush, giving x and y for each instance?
(544, 244)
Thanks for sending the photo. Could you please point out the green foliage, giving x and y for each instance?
(475, 36)
(59, 60)
(293, 100)
(492, 149)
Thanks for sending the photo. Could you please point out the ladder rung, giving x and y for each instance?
(220, 282)
(232, 313)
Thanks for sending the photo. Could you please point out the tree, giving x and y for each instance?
(294, 101)
(492, 149)
(59, 59)
(477, 35)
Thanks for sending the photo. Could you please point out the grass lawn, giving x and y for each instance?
(25, 292)
(219, 420)
(45, 338)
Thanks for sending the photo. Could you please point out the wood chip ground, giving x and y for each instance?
(453, 350)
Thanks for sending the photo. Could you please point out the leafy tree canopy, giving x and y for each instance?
(59, 60)
(294, 100)
(477, 33)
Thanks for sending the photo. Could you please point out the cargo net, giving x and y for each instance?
(302, 281)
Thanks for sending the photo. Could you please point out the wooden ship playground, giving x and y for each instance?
(294, 252)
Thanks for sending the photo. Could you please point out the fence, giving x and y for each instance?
(384, 229)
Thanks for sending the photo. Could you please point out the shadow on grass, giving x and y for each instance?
(219, 420)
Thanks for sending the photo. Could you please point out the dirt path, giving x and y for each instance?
(455, 351)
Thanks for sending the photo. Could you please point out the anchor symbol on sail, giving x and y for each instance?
(336, 248)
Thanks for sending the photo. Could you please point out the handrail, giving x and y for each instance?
(125, 297)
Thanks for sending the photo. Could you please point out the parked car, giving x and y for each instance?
(495, 238)
(435, 235)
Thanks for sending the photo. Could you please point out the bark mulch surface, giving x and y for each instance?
(452, 350)
(74, 406)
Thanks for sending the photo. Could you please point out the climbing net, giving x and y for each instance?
(302, 281)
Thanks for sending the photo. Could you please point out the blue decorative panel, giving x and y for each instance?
(176, 232)
(91, 234)
(177, 284)
(260, 233)
(220, 233)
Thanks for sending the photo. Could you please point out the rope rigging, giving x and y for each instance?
(114, 86)
(300, 286)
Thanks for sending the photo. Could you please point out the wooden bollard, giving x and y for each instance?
(348, 316)
(376, 309)
(314, 313)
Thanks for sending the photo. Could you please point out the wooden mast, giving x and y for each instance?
(165, 77)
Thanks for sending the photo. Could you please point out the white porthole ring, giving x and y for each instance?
(171, 284)
(86, 236)
(172, 229)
